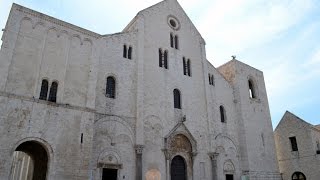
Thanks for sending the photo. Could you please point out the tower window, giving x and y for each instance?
(163, 58)
(53, 92)
(44, 89)
(125, 51)
(294, 145)
(211, 79)
(111, 87)
(222, 114)
(174, 41)
(177, 99)
(252, 92)
(186, 67)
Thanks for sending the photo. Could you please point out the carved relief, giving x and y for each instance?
(228, 166)
(180, 143)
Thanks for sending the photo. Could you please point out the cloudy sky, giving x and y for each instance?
(279, 37)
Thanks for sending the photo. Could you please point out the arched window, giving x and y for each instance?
(130, 52)
(171, 40)
(189, 67)
(160, 58)
(53, 92)
(44, 89)
(184, 66)
(176, 42)
(125, 51)
(111, 87)
(222, 114)
(298, 176)
(165, 59)
(177, 99)
(252, 92)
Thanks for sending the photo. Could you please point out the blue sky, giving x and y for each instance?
(279, 37)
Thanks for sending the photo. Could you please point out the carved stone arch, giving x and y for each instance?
(37, 24)
(41, 141)
(119, 120)
(228, 167)
(62, 33)
(221, 138)
(26, 25)
(76, 39)
(52, 32)
(88, 40)
(109, 158)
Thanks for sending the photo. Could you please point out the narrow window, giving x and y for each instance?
(176, 42)
(160, 58)
(209, 79)
(130, 52)
(44, 89)
(125, 51)
(294, 145)
(184, 66)
(165, 59)
(222, 114)
(53, 92)
(252, 93)
(171, 40)
(81, 138)
(212, 80)
(177, 99)
(111, 87)
(189, 67)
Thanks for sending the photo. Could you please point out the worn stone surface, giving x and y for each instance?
(305, 160)
(37, 47)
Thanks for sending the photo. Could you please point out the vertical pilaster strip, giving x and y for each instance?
(139, 149)
(213, 156)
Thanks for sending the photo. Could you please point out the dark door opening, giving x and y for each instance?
(178, 168)
(109, 174)
(30, 162)
(229, 176)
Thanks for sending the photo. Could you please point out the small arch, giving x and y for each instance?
(44, 89)
(177, 99)
(37, 158)
(222, 114)
(252, 91)
(298, 176)
(178, 168)
(111, 87)
(129, 52)
(53, 92)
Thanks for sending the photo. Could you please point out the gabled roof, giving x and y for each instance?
(288, 116)
(142, 12)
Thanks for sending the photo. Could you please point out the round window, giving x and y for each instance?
(173, 22)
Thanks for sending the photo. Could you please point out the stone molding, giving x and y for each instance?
(139, 148)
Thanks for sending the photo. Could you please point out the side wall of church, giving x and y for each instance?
(35, 49)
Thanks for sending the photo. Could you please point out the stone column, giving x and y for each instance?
(139, 149)
(167, 156)
(213, 157)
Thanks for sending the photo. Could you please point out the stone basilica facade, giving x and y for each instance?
(144, 103)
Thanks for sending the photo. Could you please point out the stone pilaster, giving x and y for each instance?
(139, 149)
(213, 156)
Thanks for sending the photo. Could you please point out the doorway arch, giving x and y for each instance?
(30, 161)
(178, 168)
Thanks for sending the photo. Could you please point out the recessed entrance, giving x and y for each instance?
(178, 168)
(229, 176)
(109, 174)
(30, 162)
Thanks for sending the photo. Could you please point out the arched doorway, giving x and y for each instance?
(178, 168)
(30, 162)
(298, 176)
